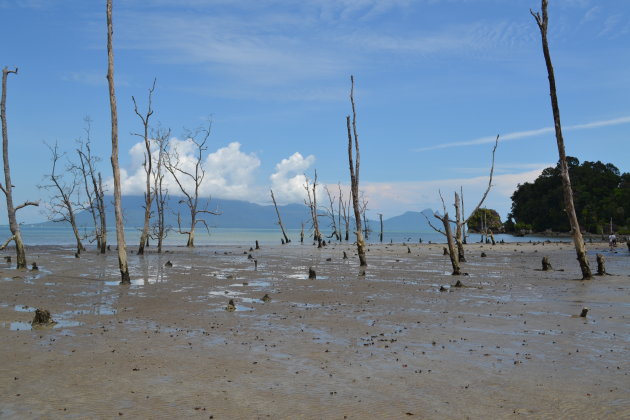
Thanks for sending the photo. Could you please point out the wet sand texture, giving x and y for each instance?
(399, 342)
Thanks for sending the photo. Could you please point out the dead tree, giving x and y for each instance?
(380, 236)
(448, 232)
(286, 238)
(344, 207)
(159, 230)
(93, 184)
(311, 193)
(61, 206)
(331, 213)
(120, 228)
(580, 248)
(366, 225)
(460, 219)
(354, 164)
(195, 175)
(7, 188)
(148, 167)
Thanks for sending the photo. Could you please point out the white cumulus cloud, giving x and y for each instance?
(288, 180)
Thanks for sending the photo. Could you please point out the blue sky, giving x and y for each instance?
(436, 81)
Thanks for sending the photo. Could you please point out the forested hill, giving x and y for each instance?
(245, 215)
(600, 192)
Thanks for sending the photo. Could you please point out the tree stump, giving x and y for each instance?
(408, 250)
(584, 312)
(231, 307)
(311, 274)
(601, 265)
(458, 284)
(168, 264)
(627, 244)
(34, 267)
(546, 265)
(445, 251)
(8, 258)
(282, 241)
(266, 298)
(257, 246)
(483, 255)
(42, 318)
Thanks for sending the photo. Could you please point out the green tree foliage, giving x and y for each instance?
(600, 193)
(493, 220)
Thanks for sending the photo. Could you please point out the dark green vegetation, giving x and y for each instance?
(485, 217)
(600, 192)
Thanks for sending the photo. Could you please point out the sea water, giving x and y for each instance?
(63, 235)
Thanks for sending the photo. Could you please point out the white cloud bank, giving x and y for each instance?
(233, 174)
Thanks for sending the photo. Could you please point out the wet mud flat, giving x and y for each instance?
(397, 342)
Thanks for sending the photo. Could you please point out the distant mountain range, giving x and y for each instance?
(245, 215)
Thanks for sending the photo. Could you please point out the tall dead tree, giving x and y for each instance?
(354, 163)
(160, 192)
(148, 167)
(331, 213)
(7, 188)
(448, 232)
(93, 185)
(455, 243)
(183, 176)
(61, 206)
(311, 194)
(460, 219)
(380, 236)
(344, 212)
(120, 228)
(366, 225)
(580, 248)
(286, 238)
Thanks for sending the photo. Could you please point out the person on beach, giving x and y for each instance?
(612, 241)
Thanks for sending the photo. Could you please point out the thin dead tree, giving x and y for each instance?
(147, 165)
(366, 225)
(62, 206)
(542, 21)
(160, 192)
(331, 213)
(448, 232)
(311, 194)
(286, 238)
(455, 243)
(183, 176)
(344, 213)
(120, 228)
(354, 164)
(380, 236)
(460, 219)
(7, 188)
(93, 185)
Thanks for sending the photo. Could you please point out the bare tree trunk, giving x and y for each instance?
(380, 216)
(120, 232)
(331, 214)
(286, 238)
(160, 193)
(312, 205)
(7, 189)
(148, 167)
(458, 230)
(453, 254)
(346, 216)
(578, 241)
(354, 174)
(102, 216)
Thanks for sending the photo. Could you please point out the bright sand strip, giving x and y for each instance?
(385, 346)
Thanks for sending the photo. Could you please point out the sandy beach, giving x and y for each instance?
(399, 342)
